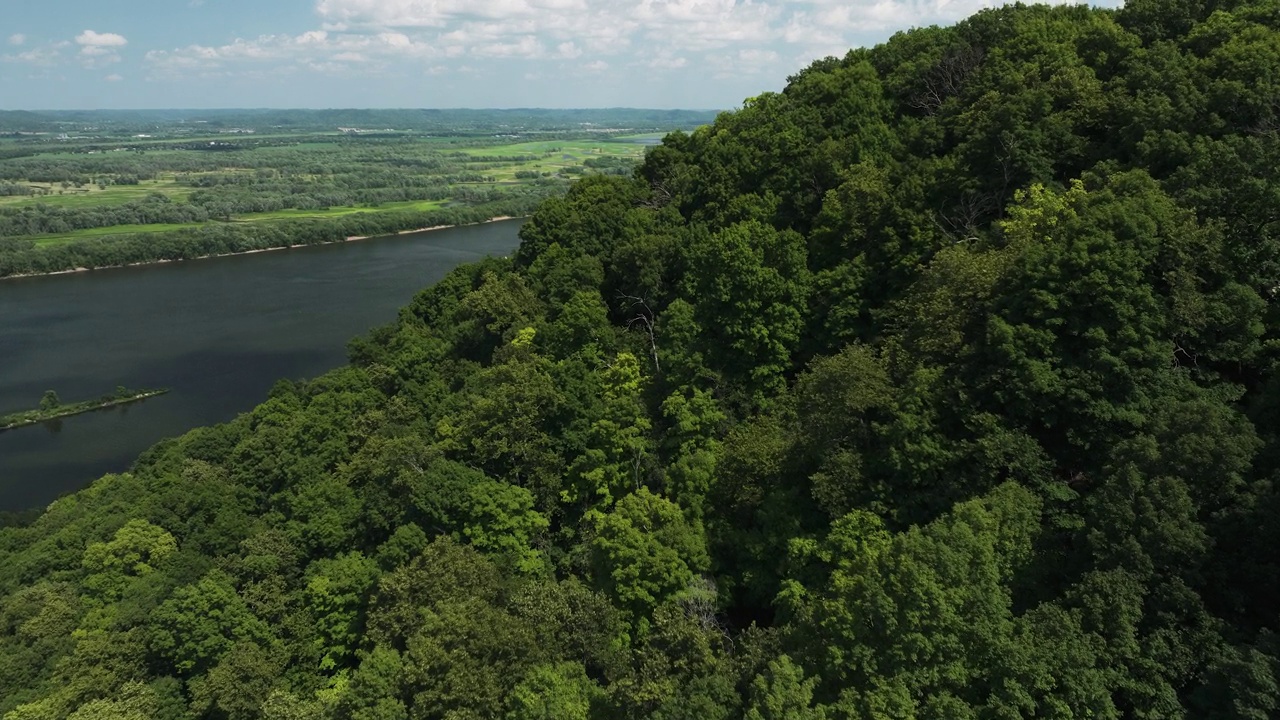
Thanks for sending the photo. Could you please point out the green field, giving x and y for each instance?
(90, 233)
(314, 169)
(91, 195)
(577, 148)
(641, 138)
(414, 205)
(553, 156)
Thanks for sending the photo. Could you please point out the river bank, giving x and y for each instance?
(220, 333)
(352, 238)
(32, 417)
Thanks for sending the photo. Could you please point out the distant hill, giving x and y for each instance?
(454, 121)
(22, 121)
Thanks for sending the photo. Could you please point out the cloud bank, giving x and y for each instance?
(738, 38)
(480, 53)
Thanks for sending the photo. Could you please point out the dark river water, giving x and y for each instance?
(218, 332)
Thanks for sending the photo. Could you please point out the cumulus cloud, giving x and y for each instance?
(318, 50)
(91, 39)
(666, 63)
(43, 57)
(605, 27)
(113, 77)
(17, 39)
(760, 40)
(746, 62)
(99, 49)
(660, 35)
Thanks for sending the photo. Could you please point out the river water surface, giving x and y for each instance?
(218, 332)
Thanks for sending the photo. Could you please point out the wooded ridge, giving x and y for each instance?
(940, 384)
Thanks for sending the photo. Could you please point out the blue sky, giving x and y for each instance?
(89, 54)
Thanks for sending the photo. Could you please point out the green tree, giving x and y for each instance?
(336, 593)
(239, 684)
(499, 518)
(505, 423)
(50, 401)
(613, 461)
(783, 693)
(552, 692)
(202, 621)
(748, 284)
(645, 552)
(134, 701)
(134, 551)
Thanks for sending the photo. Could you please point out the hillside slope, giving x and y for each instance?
(941, 384)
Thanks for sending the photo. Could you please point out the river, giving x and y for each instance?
(217, 332)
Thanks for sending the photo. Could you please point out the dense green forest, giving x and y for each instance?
(940, 384)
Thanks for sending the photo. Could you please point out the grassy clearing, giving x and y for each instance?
(415, 205)
(578, 148)
(551, 156)
(544, 157)
(89, 233)
(641, 138)
(91, 195)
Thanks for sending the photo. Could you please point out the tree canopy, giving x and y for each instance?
(940, 384)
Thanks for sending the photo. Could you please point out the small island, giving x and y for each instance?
(52, 408)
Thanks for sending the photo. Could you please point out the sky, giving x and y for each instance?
(697, 54)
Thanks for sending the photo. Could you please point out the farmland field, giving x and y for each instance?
(92, 195)
(67, 200)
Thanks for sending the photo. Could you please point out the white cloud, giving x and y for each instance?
(744, 62)
(318, 50)
(89, 38)
(666, 63)
(435, 13)
(17, 39)
(113, 77)
(521, 47)
(671, 34)
(758, 41)
(595, 26)
(99, 49)
(44, 57)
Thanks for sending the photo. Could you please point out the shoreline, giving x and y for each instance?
(352, 238)
(80, 408)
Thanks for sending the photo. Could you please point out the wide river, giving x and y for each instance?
(217, 332)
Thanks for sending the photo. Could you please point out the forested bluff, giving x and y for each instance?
(940, 384)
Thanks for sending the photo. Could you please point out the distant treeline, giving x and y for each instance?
(345, 174)
(220, 204)
(452, 122)
(23, 257)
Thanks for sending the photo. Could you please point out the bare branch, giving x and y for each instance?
(644, 319)
(947, 78)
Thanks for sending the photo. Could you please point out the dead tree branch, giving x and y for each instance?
(644, 319)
